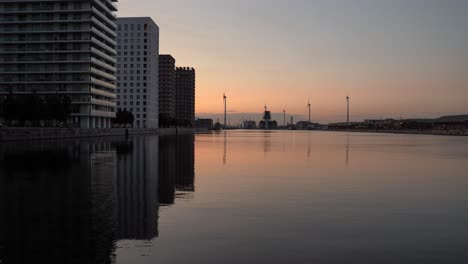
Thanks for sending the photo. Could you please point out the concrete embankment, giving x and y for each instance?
(22, 134)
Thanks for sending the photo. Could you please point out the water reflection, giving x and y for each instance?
(177, 168)
(347, 149)
(71, 201)
(225, 148)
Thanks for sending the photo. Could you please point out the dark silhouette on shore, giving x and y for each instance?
(34, 109)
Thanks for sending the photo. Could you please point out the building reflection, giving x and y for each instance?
(136, 186)
(54, 209)
(176, 168)
(71, 202)
(267, 141)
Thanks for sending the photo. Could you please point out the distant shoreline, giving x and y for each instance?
(403, 132)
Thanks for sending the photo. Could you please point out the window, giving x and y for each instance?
(77, 5)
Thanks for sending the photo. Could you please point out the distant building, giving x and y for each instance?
(267, 123)
(306, 125)
(167, 88)
(459, 122)
(346, 125)
(271, 125)
(383, 123)
(185, 95)
(65, 48)
(138, 70)
(204, 123)
(250, 124)
(303, 125)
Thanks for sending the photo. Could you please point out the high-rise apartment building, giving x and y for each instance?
(185, 94)
(167, 91)
(138, 69)
(61, 47)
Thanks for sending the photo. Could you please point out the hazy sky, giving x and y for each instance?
(392, 57)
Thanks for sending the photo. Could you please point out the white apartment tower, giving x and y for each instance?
(62, 47)
(138, 70)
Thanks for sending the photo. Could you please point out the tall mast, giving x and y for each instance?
(225, 109)
(284, 117)
(347, 107)
(309, 105)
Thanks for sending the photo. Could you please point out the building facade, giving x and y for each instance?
(185, 95)
(138, 69)
(61, 47)
(167, 90)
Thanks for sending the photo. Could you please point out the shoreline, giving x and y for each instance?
(32, 134)
(403, 132)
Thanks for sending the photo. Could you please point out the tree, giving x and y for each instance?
(124, 118)
(64, 109)
(130, 118)
(2, 107)
(34, 108)
(53, 107)
(165, 120)
(10, 107)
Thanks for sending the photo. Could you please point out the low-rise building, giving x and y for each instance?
(249, 124)
(204, 123)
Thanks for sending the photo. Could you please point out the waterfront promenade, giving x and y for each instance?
(21, 134)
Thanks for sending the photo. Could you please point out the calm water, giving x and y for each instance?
(236, 197)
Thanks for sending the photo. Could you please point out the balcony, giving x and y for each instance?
(46, 71)
(103, 83)
(30, 11)
(100, 24)
(42, 51)
(103, 74)
(40, 41)
(41, 31)
(103, 45)
(51, 21)
(103, 93)
(103, 55)
(112, 5)
(40, 61)
(43, 82)
(104, 36)
(104, 7)
(105, 18)
(102, 113)
(95, 101)
(103, 64)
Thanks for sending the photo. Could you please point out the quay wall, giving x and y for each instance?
(25, 134)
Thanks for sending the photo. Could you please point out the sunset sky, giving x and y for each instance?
(393, 58)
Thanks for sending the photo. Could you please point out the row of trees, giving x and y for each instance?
(31, 109)
(34, 108)
(166, 120)
(123, 119)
